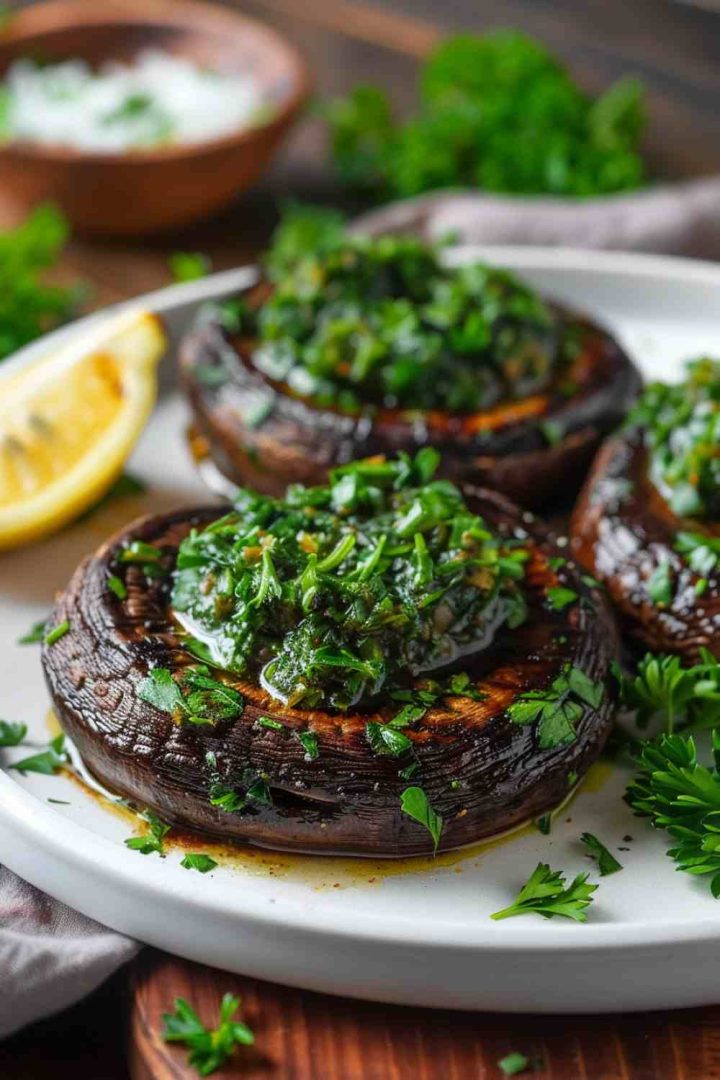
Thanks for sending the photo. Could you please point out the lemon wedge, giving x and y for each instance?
(68, 422)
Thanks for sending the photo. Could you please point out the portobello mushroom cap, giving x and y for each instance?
(481, 771)
(622, 531)
(535, 450)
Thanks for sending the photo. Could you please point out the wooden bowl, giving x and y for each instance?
(149, 190)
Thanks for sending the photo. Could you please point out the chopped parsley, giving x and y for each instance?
(514, 1063)
(361, 322)
(269, 723)
(558, 708)
(414, 802)
(660, 585)
(47, 762)
(209, 1048)
(681, 430)
(547, 893)
(338, 593)
(195, 698)
(559, 597)
(309, 743)
(702, 552)
(56, 633)
(607, 863)
(12, 734)
(189, 265)
(35, 634)
(117, 586)
(682, 796)
(198, 861)
(153, 841)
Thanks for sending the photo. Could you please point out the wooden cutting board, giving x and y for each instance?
(307, 1036)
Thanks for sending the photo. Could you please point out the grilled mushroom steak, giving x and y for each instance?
(500, 736)
(376, 347)
(647, 523)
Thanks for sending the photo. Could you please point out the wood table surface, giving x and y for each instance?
(675, 49)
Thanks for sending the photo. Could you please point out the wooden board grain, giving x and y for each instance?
(306, 1036)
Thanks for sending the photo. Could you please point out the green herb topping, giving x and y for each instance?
(35, 634)
(681, 426)
(558, 708)
(607, 863)
(195, 698)
(682, 797)
(514, 1063)
(339, 592)
(12, 734)
(414, 802)
(47, 762)
(683, 697)
(198, 861)
(547, 893)
(371, 322)
(57, 632)
(209, 1049)
(497, 112)
(153, 841)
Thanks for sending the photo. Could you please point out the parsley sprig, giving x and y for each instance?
(196, 697)
(547, 893)
(209, 1048)
(682, 796)
(683, 696)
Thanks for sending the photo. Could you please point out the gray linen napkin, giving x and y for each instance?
(678, 219)
(50, 956)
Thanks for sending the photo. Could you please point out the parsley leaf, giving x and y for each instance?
(47, 762)
(607, 863)
(56, 633)
(386, 739)
(161, 690)
(559, 597)
(12, 734)
(703, 552)
(414, 802)
(202, 699)
(117, 586)
(189, 266)
(554, 709)
(514, 1063)
(198, 861)
(152, 841)
(309, 741)
(209, 1049)
(660, 585)
(35, 634)
(663, 687)
(547, 893)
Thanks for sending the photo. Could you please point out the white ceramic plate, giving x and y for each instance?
(417, 932)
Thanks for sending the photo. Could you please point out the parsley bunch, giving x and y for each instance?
(338, 592)
(357, 322)
(681, 429)
(682, 796)
(29, 306)
(497, 112)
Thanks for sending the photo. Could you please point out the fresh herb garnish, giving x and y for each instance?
(607, 863)
(153, 841)
(702, 552)
(209, 1049)
(196, 697)
(514, 1063)
(189, 266)
(547, 893)
(660, 585)
(414, 802)
(269, 723)
(681, 429)
(198, 861)
(146, 556)
(117, 586)
(558, 708)
(57, 632)
(35, 634)
(47, 762)
(559, 597)
(365, 321)
(28, 306)
(345, 590)
(309, 742)
(498, 112)
(12, 734)
(683, 697)
(682, 796)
